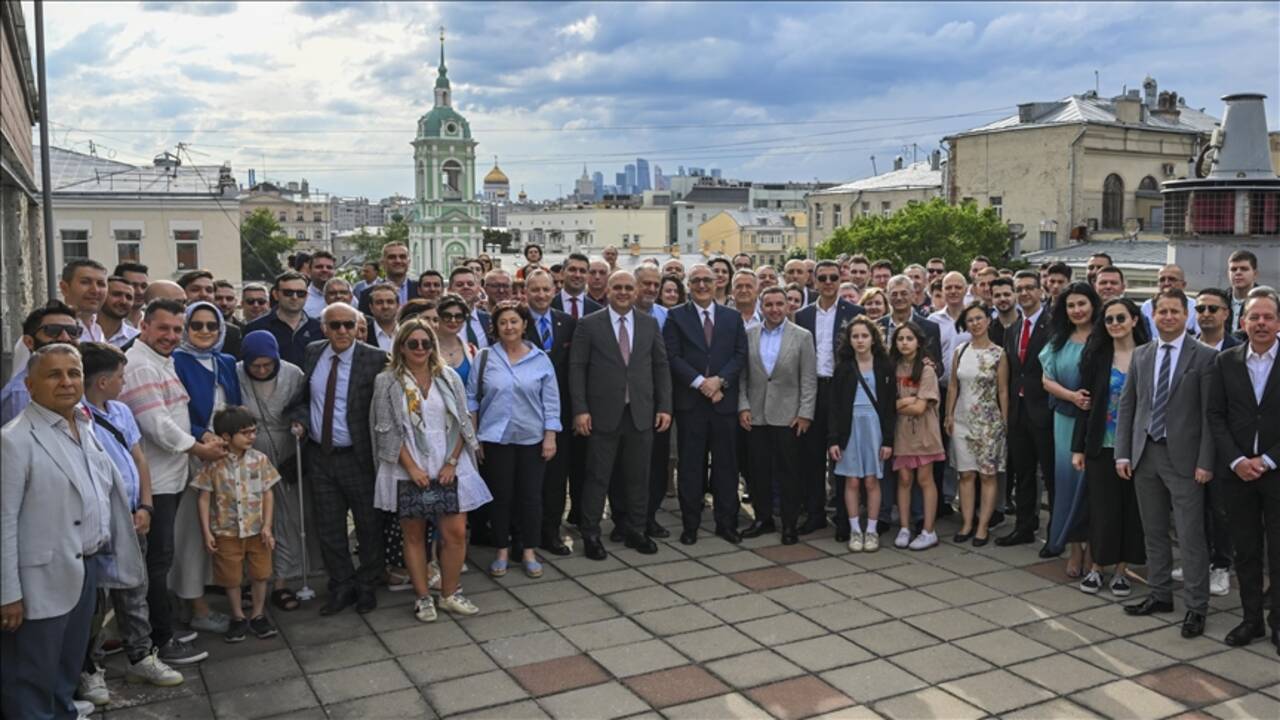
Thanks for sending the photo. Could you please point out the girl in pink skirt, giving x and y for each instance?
(917, 443)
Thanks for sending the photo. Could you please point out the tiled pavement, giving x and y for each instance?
(722, 631)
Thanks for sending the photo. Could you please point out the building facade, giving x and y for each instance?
(698, 205)
(591, 228)
(305, 216)
(766, 235)
(884, 194)
(349, 213)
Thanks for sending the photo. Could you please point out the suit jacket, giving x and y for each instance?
(562, 327)
(932, 335)
(40, 514)
(231, 343)
(588, 305)
(1188, 433)
(690, 357)
(845, 387)
(366, 362)
(1237, 419)
(1091, 427)
(807, 318)
(791, 390)
(599, 382)
(1028, 377)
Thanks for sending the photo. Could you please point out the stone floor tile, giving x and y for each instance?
(996, 691)
(605, 633)
(424, 636)
(1003, 647)
(1063, 674)
(674, 620)
(873, 680)
(554, 676)
(915, 575)
(713, 643)
(335, 686)
(929, 703)
(531, 648)
(733, 706)
(258, 701)
(889, 638)
(319, 658)
(1169, 641)
(324, 630)
(940, 663)
(556, 591)
(708, 544)
(826, 568)
(1273, 691)
(638, 658)
(1013, 581)
(781, 629)
(967, 564)
(904, 603)
(789, 554)
(426, 667)
(490, 602)
(741, 608)
(857, 712)
(473, 692)
(1122, 657)
(800, 697)
(961, 591)
(873, 561)
(1242, 669)
(232, 673)
(636, 559)
(1191, 686)
(1068, 600)
(709, 588)
(1063, 633)
(844, 615)
(1009, 611)
(755, 668)
(863, 585)
(395, 617)
(579, 566)
(769, 578)
(1126, 698)
(1055, 571)
(677, 571)
(190, 707)
(676, 686)
(807, 595)
(1111, 619)
(407, 703)
(575, 612)
(523, 710)
(951, 624)
(1058, 709)
(824, 652)
(485, 626)
(1249, 707)
(630, 602)
(616, 581)
(607, 700)
(734, 562)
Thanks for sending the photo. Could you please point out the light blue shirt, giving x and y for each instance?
(1192, 326)
(118, 414)
(14, 398)
(319, 379)
(659, 313)
(518, 403)
(770, 344)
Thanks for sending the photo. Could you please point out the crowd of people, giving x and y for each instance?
(156, 432)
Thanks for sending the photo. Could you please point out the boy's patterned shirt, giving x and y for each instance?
(237, 485)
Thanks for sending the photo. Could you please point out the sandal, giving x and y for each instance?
(284, 599)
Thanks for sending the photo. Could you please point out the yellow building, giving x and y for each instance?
(592, 228)
(882, 194)
(766, 236)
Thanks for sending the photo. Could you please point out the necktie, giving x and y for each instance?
(624, 341)
(544, 330)
(471, 332)
(1160, 404)
(330, 396)
(1024, 340)
(574, 311)
(707, 327)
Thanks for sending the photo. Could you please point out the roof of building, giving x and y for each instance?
(1153, 253)
(431, 124)
(75, 173)
(759, 218)
(917, 175)
(496, 177)
(1089, 108)
(718, 195)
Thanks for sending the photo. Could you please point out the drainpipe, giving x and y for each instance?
(46, 189)
(1071, 191)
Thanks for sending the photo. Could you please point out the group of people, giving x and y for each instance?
(156, 432)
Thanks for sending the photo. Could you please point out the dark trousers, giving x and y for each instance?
(159, 560)
(577, 475)
(814, 461)
(626, 448)
(555, 482)
(703, 429)
(659, 458)
(1115, 524)
(340, 482)
(514, 476)
(744, 458)
(1217, 527)
(43, 658)
(1255, 518)
(1030, 448)
(775, 457)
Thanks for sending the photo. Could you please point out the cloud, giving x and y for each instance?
(209, 8)
(206, 74)
(89, 48)
(585, 29)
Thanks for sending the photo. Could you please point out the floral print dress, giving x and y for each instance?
(978, 437)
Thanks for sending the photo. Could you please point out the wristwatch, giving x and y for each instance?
(150, 510)
(452, 461)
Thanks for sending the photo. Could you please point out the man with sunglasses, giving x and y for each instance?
(53, 323)
(254, 302)
(1213, 317)
(288, 322)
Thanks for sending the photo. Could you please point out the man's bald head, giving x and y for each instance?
(622, 291)
(165, 290)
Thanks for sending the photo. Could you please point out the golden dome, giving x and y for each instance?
(496, 176)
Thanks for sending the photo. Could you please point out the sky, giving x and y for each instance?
(331, 91)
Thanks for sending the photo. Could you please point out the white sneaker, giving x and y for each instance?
(1176, 574)
(150, 670)
(870, 542)
(93, 688)
(1219, 581)
(904, 538)
(84, 708)
(458, 604)
(924, 540)
(855, 542)
(424, 609)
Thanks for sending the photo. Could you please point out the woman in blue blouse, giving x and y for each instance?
(456, 352)
(515, 403)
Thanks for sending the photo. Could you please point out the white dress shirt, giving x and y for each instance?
(95, 531)
(384, 340)
(320, 379)
(477, 327)
(951, 339)
(566, 300)
(1176, 345)
(824, 333)
(1260, 367)
(770, 345)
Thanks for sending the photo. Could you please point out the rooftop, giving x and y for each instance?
(1154, 253)
(74, 173)
(718, 195)
(760, 218)
(1090, 108)
(917, 175)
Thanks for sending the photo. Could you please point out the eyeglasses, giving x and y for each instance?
(828, 278)
(699, 280)
(1115, 319)
(53, 331)
(293, 293)
(453, 316)
(248, 431)
(198, 326)
(254, 301)
(336, 325)
(935, 271)
(416, 344)
(1211, 309)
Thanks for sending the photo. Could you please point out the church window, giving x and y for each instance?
(1112, 202)
(451, 178)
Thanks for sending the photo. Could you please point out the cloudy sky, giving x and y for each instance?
(331, 91)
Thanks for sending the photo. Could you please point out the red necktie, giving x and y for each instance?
(574, 311)
(1024, 340)
(707, 327)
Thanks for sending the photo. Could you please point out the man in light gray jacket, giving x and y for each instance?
(65, 526)
(777, 393)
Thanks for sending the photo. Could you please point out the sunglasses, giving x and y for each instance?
(336, 325)
(828, 278)
(699, 280)
(200, 326)
(935, 271)
(416, 344)
(453, 316)
(293, 293)
(254, 301)
(1115, 319)
(1211, 309)
(53, 331)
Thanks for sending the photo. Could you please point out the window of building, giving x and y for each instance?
(997, 204)
(689, 218)
(1048, 239)
(186, 245)
(451, 178)
(75, 244)
(817, 215)
(760, 203)
(866, 208)
(299, 216)
(317, 216)
(283, 216)
(1113, 202)
(1148, 184)
(302, 235)
(885, 208)
(836, 211)
(688, 232)
(128, 245)
(319, 235)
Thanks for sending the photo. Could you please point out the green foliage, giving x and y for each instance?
(367, 245)
(798, 253)
(502, 238)
(920, 231)
(263, 245)
(396, 231)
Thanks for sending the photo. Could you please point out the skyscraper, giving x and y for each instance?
(642, 175)
(597, 179)
(715, 172)
(620, 183)
(631, 179)
(659, 181)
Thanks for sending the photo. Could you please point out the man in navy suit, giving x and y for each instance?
(825, 320)
(463, 282)
(707, 350)
(573, 298)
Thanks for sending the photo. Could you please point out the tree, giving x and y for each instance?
(395, 231)
(798, 253)
(919, 231)
(501, 238)
(263, 244)
(367, 245)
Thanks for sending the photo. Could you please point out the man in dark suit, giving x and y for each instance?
(334, 417)
(620, 386)
(825, 320)
(1213, 317)
(1030, 419)
(573, 298)
(707, 349)
(1244, 401)
(552, 331)
(796, 272)
(900, 292)
(464, 283)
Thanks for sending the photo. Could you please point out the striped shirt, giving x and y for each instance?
(158, 401)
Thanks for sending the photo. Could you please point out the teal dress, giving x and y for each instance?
(1070, 504)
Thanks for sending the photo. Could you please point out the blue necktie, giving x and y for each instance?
(544, 330)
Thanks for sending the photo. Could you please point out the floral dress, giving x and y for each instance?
(978, 438)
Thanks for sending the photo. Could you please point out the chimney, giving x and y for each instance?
(306, 188)
(1128, 108)
(1167, 107)
(1149, 92)
(935, 160)
(897, 163)
(1244, 153)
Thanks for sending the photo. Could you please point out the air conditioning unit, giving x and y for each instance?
(1168, 169)
(1092, 224)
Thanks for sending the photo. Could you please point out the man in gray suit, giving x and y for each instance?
(65, 525)
(776, 397)
(620, 386)
(1163, 443)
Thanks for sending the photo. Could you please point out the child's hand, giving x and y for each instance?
(210, 544)
(268, 539)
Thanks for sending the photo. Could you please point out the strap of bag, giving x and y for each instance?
(482, 359)
(115, 431)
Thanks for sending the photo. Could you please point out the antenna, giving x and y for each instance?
(873, 166)
(1096, 89)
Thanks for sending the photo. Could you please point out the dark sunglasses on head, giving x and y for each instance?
(1115, 319)
(336, 325)
(200, 326)
(254, 301)
(293, 293)
(416, 344)
(828, 278)
(452, 316)
(53, 331)
(1211, 309)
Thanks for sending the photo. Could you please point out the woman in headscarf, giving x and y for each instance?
(270, 386)
(209, 376)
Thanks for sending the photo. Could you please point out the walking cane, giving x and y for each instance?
(305, 592)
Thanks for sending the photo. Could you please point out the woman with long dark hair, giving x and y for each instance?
(1115, 526)
(671, 291)
(917, 442)
(1074, 315)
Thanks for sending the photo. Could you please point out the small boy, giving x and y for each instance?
(239, 526)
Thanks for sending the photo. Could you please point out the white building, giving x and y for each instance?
(881, 194)
(591, 228)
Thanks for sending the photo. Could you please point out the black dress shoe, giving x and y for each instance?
(556, 547)
(813, 525)
(367, 601)
(757, 528)
(1017, 537)
(338, 601)
(655, 530)
(642, 544)
(1193, 624)
(574, 518)
(1245, 633)
(979, 542)
(789, 537)
(594, 548)
(616, 535)
(1149, 606)
(1048, 554)
(729, 535)
(745, 499)
(962, 537)
(842, 534)
(688, 537)
(1275, 638)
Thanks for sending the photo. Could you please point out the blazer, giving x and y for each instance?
(791, 390)
(932, 335)
(562, 327)
(690, 357)
(366, 362)
(231, 343)
(40, 511)
(588, 305)
(1090, 428)
(1190, 439)
(807, 318)
(844, 390)
(1237, 419)
(1027, 378)
(599, 382)
(388, 416)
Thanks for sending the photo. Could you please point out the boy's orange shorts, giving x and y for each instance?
(230, 558)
